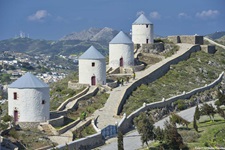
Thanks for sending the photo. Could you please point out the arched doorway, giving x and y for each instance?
(15, 115)
(93, 80)
(147, 41)
(121, 62)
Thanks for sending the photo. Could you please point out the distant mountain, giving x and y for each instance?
(66, 47)
(93, 34)
(216, 35)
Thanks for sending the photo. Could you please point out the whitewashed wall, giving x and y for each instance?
(29, 104)
(140, 33)
(116, 51)
(86, 71)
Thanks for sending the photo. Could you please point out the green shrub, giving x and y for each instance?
(14, 133)
(7, 118)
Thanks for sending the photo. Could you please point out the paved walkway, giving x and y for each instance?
(132, 140)
(107, 115)
(213, 42)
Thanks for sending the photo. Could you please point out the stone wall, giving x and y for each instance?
(57, 114)
(208, 48)
(127, 122)
(75, 85)
(191, 39)
(56, 122)
(69, 126)
(87, 143)
(63, 105)
(159, 72)
(154, 48)
(28, 124)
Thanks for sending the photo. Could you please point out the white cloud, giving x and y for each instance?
(139, 13)
(155, 15)
(183, 15)
(207, 14)
(39, 15)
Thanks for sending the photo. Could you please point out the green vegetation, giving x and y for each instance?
(211, 134)
(170, 52)
(59, 91)
(28, 138)
(89, 130)
(145, 127)
(90, 105)
(200, 69)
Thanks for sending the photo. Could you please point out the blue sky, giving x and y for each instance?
(52, 19)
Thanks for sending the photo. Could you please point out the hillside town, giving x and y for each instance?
(69, 125)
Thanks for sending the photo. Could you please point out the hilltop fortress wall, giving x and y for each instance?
(190, 39)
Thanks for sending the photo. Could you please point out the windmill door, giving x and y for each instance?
(93, 80)
(121, 62)
(15, 115)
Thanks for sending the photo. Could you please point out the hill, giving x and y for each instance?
(216, 35)
(92, 34)
(62, 47)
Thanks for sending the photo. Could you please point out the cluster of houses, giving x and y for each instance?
(28, 96)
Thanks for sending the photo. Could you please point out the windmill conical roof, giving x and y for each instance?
(121, 38)
(142, 20)
(28, 81)
(92, 53)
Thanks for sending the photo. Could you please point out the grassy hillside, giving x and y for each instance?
(200, 69)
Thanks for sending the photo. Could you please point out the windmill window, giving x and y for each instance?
(43, 102)
(146, 25)
(15, 95)
(93, 64)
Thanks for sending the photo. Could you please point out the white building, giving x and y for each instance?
(92, 67)
(28, 99)
(121, 51)
(142, 31)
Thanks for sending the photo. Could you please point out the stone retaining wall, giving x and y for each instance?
(154, 48)
(63, 105)
(56, 122)
(89, 142)
(127, 122)
(69, 126)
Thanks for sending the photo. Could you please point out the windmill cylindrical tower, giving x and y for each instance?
(121, 51)
(28, 100)
(142, 31)
(92, 67)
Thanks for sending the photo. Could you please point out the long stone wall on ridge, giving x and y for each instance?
(156, 74)
(126, 122)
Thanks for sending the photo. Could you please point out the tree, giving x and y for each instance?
(175, 118)
(208, 110)
(172, 138)
(159, 133)
(144, 124)
(220, 112)
(195, 126)
(120, 141)
(221, 98)
(197, 113)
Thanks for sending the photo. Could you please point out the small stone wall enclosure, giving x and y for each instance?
(191, 39)
(127, 122)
